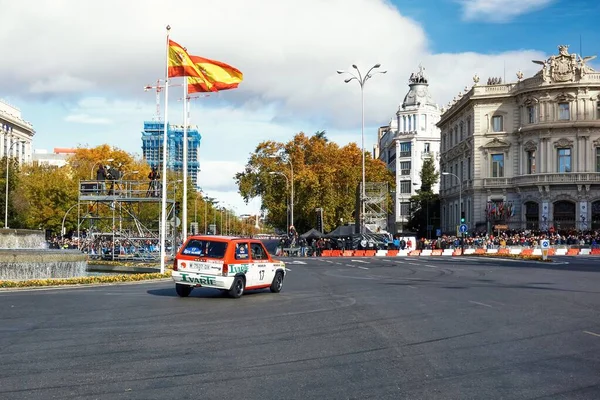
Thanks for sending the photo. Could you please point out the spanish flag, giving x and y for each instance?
(180, 63)
(216, 76)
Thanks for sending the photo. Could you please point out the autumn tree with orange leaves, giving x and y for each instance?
(325, 176)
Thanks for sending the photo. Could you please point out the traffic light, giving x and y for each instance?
(319, 212)
(177, 208)
(462, 217)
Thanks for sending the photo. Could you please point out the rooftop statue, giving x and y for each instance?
(564, 67)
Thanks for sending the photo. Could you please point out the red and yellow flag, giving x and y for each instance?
(216, 76)
(180, 63)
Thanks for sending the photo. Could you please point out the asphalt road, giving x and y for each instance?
(368, 328)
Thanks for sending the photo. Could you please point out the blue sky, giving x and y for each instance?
(490, 27)
(80, 83)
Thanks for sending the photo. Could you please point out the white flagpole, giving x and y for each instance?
(186, 100)
(163, 210)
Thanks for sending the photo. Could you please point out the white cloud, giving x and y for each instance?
(60, 84)
(87, 119)
(90, 70)
(499, 10)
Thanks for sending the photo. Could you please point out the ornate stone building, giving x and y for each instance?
(16, 133)
(525, 155)
(410, 137)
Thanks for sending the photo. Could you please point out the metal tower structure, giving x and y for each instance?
(122, 218)
(376, 206)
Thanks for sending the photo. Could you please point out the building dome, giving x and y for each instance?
(418, 94)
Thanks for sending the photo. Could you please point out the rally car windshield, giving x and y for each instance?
(205, 248)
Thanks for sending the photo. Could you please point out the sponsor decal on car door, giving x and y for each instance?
(260, 261)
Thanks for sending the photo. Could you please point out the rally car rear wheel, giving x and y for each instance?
(183, 290)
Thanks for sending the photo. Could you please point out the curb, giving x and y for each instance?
(81, 285)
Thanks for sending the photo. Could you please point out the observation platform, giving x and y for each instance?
(123, 191)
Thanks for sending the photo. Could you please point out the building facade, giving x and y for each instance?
(525, 155)
(152, 147)
(58, 157)
(16, 134)
(411, 137)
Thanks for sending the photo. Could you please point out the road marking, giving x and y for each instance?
(361, 261)
(592, 333)
(413, 263)
(412, 287)
(298, 262)
(384, 260)
(363, 267)
(288, 269)
(481, 304)
(430, 266)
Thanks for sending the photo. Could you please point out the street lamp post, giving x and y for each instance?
(459, 197)
(62, 227)
(289, 161)
(96, 163)
(6, 194)
(361, 81)
(287, 183)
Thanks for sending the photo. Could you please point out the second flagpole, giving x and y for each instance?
(186, 100)
(163, 209)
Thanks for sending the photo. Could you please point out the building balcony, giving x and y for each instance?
(581, 178)
(497, 182)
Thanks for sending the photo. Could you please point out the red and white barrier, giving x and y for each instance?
(562, 251)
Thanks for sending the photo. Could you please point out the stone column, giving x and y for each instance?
(520, 169)
(583, 215)
(551, 157)
(575, 154)
(545, 215)
(542, 156)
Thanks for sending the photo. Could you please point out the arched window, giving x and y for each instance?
(564, 214)
(532, 215)
(596, 215)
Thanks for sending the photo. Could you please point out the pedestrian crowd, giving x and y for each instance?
(513, 238)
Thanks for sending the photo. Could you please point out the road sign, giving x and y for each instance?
(545, 244)
(463, 228)
(438, 232)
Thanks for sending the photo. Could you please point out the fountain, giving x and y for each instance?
(24, 254)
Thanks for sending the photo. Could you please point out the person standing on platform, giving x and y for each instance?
(154, 176)
(100, 177)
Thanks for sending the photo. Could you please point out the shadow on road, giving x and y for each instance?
(197, 292)
(205, 293)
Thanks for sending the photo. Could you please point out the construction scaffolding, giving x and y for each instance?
(120, 219)
(376, 206)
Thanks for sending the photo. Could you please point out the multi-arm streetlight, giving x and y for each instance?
(129, 173)
(6, 198)
(96, 163)
(362, 79)
(289, 161)
(287, 183)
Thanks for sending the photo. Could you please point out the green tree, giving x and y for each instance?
(43, 197)
(321, 135)
(425, 205)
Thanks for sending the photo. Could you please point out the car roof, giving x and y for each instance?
(221, 238)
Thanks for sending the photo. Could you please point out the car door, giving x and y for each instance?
(241, 260)
(260, 267)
